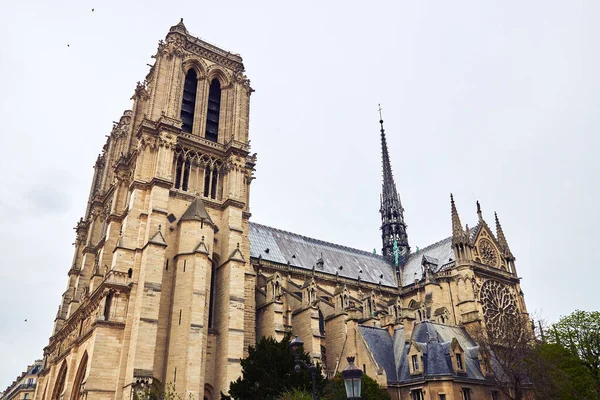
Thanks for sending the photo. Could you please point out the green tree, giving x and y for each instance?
(580, 333)
(559, 375)
(335, 390)
(296, 394)
(269, 371)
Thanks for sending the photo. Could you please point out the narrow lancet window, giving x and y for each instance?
(182, 173)
(207, 174)
(188, 103)
(212, 114)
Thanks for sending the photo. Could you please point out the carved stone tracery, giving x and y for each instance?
(499, 305)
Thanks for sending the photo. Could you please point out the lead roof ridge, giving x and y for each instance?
(340, 246)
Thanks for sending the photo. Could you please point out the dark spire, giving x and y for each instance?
(393, 228)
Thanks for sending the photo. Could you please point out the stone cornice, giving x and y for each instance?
(114, 280)
(209, 51)
(189, 140)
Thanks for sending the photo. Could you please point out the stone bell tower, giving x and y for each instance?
(161, 288)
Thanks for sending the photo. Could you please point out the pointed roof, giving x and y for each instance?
(158, 238)
(389, 194)
(458, 234)
(201, 248)
(180, 27)
(393, 226)
(196, 212)
(500, 236)
(237, 254)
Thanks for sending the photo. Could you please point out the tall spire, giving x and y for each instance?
(393, 228)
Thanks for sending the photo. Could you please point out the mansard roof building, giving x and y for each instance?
(171, 282)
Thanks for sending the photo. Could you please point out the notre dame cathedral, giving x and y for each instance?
(172, 282)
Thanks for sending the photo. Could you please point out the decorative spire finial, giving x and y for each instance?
(479, 211)
(393, 227)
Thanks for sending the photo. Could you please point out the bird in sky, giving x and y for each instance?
(25, 319)
(92, 10)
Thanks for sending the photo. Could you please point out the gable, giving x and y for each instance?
(487, 249)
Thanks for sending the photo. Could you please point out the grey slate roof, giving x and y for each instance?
(380, 340)
(303, 252)
(391, 353)
(441, 252)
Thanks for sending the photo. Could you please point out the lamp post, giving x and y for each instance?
(295, 344)
(352, 379)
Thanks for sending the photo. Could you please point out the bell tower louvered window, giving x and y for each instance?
(212, 114)
(188, 103)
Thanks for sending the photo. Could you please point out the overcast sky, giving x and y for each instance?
(497, 102)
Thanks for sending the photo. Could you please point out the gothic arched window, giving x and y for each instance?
(188, 102)
(79, 377)
(107, 305)
(182, 173)
(59, 386)
(321, 323)
(212, 113)
(211, 180)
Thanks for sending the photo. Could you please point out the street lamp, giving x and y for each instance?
(352, 379)
(295, 344)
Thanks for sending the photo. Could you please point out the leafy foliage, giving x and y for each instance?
(335, 390)
(269, 371)
(564, 378)
(580, 334)
(295, 394)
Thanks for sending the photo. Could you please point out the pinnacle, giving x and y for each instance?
(500, 234)
(456, 224)
(180, 27)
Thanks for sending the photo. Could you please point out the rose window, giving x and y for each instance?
(488, 252)
(499, 305)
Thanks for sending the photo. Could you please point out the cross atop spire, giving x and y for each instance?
(393, 228)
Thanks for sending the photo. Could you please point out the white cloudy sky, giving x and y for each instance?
(496, 101)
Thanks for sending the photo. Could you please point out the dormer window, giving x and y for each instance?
(415, 362)
(458, 354)
(415, 354)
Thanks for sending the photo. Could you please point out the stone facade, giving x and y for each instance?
(170, 282)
